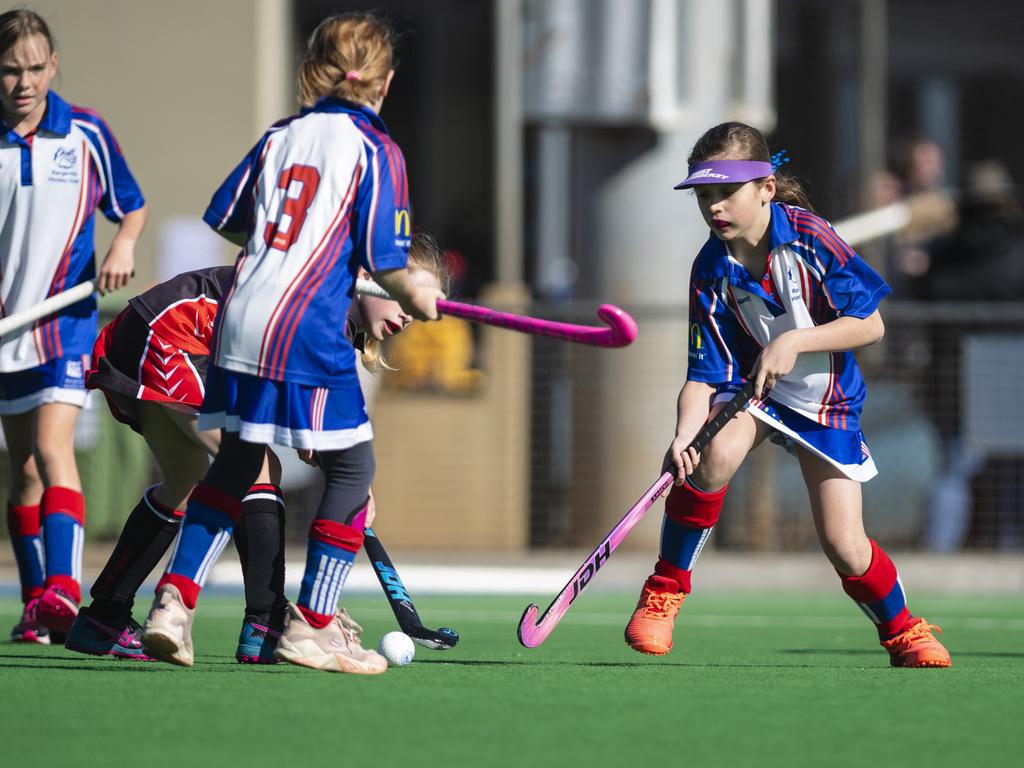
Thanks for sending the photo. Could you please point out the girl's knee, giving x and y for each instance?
(718, 463)
(849, 554)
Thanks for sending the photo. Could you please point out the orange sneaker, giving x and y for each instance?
(917, 647)
(650, 628)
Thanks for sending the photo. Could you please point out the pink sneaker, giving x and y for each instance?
(57, 610)
(28, 629)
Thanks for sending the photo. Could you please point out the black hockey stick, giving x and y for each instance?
(533, 632)
(441, 639)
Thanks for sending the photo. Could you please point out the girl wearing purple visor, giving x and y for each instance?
(776, 297)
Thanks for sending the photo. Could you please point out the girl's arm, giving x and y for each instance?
(844, 333)
(119, 264)
(692, 410)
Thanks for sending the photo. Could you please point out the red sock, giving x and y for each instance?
(879, 594)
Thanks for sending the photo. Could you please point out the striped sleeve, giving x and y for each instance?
(710, 360)
(382, 229)
(849, 284)
(231, 207)
(121, 193)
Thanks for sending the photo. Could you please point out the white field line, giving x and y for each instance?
(456, 616)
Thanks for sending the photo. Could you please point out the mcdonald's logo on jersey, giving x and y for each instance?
(403, 227)
(696, 342)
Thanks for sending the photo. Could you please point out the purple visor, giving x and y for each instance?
(725, 172)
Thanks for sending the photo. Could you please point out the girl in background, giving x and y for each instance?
(58, 164)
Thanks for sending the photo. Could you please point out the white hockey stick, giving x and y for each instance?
(19, 320)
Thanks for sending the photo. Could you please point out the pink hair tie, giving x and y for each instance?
(353, 74)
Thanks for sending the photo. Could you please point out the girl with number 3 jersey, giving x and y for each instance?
(58, 164)
(776, 297)
(322, 194)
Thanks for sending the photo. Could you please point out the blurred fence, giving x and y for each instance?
(943, 420)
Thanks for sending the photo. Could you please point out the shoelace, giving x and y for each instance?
(352, 630)
(659, 603)
(920, 631)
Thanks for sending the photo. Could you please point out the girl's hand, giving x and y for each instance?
(775, 361)
(308, 455)
(371, 511)
(680, 460)
(422, 302)
(118, 267)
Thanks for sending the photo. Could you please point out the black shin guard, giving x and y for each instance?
(146, 537)
(259, 539)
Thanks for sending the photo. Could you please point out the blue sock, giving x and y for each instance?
(23, 526)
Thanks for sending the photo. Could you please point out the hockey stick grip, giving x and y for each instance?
(47, 307)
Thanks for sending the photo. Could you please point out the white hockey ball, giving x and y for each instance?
(397, 648)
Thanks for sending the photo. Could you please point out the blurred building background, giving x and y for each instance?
(543, 138)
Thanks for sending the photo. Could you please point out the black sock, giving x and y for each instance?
(147, 534)
(259, 538)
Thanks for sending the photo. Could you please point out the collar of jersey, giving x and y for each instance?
(56, 121)
(333, 104)
(713, 261)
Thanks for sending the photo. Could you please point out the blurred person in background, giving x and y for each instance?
(58, 164)
(982, 260)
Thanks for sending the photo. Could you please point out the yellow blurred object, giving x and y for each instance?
(434, 356)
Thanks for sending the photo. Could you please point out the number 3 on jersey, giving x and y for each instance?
(281, 234)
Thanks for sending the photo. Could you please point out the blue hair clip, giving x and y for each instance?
(779, 159)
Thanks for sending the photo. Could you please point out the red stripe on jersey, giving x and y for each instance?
(305, 284)
(815, 225)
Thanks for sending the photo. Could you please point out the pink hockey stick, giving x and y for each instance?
(532, 632)
(619, 330)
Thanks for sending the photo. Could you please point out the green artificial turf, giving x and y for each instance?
(758, 680)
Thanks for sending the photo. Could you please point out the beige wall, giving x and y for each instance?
(186, 86)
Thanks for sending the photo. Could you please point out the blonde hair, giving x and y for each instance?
(348, 56)
(425, 255)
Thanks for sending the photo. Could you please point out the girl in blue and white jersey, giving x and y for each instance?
(322, 194)
(58, 164)
(779, 299)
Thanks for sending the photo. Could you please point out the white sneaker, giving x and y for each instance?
(167, 633)
(335, 648)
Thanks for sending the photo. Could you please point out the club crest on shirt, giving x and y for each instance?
(65, 165)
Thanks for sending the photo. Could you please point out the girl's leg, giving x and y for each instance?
(691, 511)
(336, 534)
(154, 522)
(25, 490)
(318, 635)
(868, 575)
(213, 508)
(63, 513)
(259, 539)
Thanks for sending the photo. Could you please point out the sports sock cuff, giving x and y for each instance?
(336, 534)
(667, 570)
(695, 508)
(189, 589)
(318, 620)
(267, 491)
(876, 582)
(214, 498)
(23, 520)
(67, 584)
(162, 511)
(64, 501)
